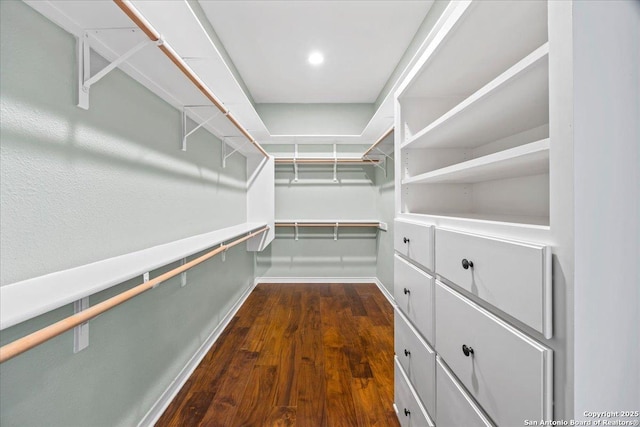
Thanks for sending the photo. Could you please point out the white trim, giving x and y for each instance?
(158, 408)
(386, 293)
(311, 280)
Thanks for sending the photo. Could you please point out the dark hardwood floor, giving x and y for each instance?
(296, 355)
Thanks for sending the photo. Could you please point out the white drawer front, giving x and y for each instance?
(413, 292)
(508, 373)
(414, 241)
(455, 407)
(514, 277)
(410, 412)
(418, 361)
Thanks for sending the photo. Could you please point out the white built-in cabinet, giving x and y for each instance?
(475, 325)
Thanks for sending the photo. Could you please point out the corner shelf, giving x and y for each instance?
(515, 101)
(532, 158)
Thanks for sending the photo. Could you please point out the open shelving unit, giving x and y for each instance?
(472, 122)
(491, 113)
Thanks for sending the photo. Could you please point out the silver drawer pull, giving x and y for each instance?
(467, 350)
(466, 264)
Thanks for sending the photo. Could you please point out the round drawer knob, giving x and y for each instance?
(467, 350)
(407, 352)
(466, 264)
(407, 412)
(404, 239)
(406, 291)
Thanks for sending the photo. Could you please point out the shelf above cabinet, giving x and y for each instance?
(515, 101)
(479, 40)
(528, 159)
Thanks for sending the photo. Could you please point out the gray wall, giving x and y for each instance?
(79, 186)
(607, 200)
(315, 119)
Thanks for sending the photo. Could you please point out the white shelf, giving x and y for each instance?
(532, 222)
(27, 299)
(515, 101)
(529, 159)
(480, 40)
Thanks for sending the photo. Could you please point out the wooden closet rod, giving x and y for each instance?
(36, 338)
(146, 27)
(375, 144)
(322, 160)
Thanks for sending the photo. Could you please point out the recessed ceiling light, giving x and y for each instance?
(316, 58)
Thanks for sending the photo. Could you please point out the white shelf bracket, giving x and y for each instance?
(226, 156)
(295, 164)
(335, 231)
(224, 253)
(85, 79)
(81, 332)
(335, 163)
(384, 161)
(295, 225)
(145, 279)
(185, 133)
(183, 276)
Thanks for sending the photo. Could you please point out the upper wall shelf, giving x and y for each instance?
(515, 101)
(185, 69)
(532, 157)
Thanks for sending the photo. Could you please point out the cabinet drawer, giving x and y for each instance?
(409, 411)
(508, 373)
(455, 406)
(413, 292)
(514, 277)
(414, 241)
(418, 361)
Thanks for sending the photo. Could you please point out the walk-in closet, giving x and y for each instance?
(319, 213)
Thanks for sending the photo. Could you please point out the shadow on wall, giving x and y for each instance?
(75, 141)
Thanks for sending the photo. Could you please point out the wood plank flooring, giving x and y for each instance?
(316, 355)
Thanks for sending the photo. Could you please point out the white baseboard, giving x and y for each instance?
(386, 292)
(158, 408)
(375, 280)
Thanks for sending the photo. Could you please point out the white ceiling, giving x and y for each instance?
(269, 41)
